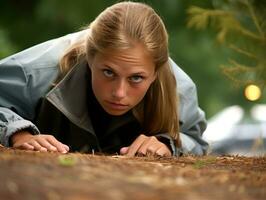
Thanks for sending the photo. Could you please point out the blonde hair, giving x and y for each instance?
(118, 27)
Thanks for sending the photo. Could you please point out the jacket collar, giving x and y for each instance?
(70, 96)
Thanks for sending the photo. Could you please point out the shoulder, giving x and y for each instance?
(44, 55)
(38, 65)
(185, 84)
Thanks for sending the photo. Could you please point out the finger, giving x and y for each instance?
(148, 142)
(124, 150)
(134, 147)
(44, 143)
(25, 146)
(66, 147)
(43, 149)
(60, 147)
(163, 151)
(151, 150)
(37, 146)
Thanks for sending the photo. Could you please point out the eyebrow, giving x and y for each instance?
(138, 74)
(142, 73)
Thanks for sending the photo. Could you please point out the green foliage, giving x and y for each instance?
(241, 27)
(6, 43)
(67, 160)
(198, 164)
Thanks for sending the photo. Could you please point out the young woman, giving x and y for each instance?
(110, 88)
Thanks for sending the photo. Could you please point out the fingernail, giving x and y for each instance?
(66, 148)
(43, 149)
(123, 150)
(52, 148)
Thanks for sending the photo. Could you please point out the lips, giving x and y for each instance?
(117, 106)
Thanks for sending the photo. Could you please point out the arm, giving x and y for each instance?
(11, 123)
(192, 118)
(16, 105)
(25, 77)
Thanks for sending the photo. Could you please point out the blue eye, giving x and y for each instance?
(136, 79)
(108, 73)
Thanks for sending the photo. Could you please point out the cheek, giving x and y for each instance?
(98, 86)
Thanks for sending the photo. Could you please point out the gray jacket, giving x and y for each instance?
(26, 77)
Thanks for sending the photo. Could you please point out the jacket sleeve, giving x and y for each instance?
(191, 117)
(10, 123)
(15, 100)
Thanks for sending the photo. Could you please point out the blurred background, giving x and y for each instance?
(219, 43)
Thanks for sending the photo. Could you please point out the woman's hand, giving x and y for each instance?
(25, 140)
(145, 145)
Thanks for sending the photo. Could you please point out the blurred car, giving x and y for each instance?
(236, 132)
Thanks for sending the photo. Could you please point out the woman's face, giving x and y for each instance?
(121, 79)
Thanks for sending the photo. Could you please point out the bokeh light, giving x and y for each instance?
(252, 92)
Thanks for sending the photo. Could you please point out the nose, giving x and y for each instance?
(119, 90)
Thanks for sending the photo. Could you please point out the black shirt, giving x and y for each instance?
(113, 132)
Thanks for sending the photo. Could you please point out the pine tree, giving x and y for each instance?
(240, 26)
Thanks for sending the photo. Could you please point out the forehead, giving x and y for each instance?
(131, 59)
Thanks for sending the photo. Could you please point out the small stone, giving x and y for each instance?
(12, 186)
(232, 188)
(180, 181)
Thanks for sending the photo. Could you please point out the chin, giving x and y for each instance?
(116, 112)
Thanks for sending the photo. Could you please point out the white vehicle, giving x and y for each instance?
(234, 131)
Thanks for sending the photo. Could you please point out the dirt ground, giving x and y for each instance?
(35, 175)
